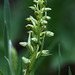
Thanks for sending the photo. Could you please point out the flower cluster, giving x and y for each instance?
(37, 32)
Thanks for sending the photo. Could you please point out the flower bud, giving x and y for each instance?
(46, 18)
(34, 40)
(45, 53)
(41, 34)
(36, 13)
(46, 9)
(28, 19)
(23, 44)
(49, 33)
(29, 26)
(30, 48)
(32, 7)
(44, 22)
(25, 60)
(33, 19)
(43, 28)
(30, 31)
(24, 70)
(38, 54)
(39, 2)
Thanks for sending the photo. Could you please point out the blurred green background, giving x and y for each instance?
(62, 45)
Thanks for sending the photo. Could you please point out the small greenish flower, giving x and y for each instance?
(45, 53)
(39, 2)
(46, 9)
(34, 40)
(29, 26)
(23, 44)
(49, 33)
(24, 70)
(25, 60)
(43, 22)
(43, 27)
(46, 18)
(32, 7)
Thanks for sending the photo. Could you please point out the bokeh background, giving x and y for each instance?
(62, 45)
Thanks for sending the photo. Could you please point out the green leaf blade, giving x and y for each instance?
(69, 72)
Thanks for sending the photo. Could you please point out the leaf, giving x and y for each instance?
(7, 20)
(10, 66)
(69, 71)
(14, 58)
(59, 60)
(7, 32)
(7, 35)
(1, 73)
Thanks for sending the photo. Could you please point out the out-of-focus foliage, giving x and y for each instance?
(69, 72)
(62, 24)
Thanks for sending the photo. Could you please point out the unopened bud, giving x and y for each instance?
(45, 53)
(49, 33)
(24, 70)
(34, 40)
(29, 26)
(23, 44)
(41, 34)
(44, 22)
(32, 7)
(43, 27)
(39, 2)
(48, 9)
(38, 54)
(25, 60)
(46, 18)
(30, 48)
(28, 19)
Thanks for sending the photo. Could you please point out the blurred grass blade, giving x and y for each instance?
(6, 41)
(20, 67)
(14, 59)
(69, 72)
(1, 73)
(60, 59)
(7, 19)
(7, 34)
(10, 66)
